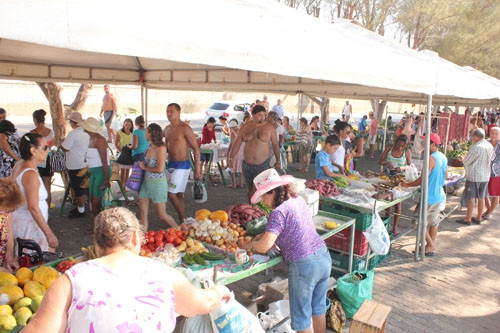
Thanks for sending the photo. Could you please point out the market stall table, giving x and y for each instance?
(251, 268)
(217, 153)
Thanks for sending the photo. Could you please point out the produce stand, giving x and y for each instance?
(257, 266)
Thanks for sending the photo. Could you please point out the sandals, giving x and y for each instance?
(462, 221)
(476, 221)
(485, 216)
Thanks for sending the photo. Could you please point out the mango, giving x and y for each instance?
(13, 292)
(24, 275)
(330, 225)
(7, 279)
(45, 275)
(5, 309)
(33, 288)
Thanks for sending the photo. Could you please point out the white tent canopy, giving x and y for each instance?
(222, 45)
(204, 45)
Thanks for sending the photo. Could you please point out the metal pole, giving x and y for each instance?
(447, 134)
(422, 225)
(146, 106)
(385, 126)
(142, 98)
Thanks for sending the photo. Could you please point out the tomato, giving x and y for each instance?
(150, 233)
(178, 241)
(183, 237)
(178, 233)
(151, 239)
(171, 239)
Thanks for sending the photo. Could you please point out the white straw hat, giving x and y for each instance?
(268, 180)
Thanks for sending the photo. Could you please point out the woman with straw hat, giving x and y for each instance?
(291, 228)
(98, 162)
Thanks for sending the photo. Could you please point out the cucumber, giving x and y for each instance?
(212, 256)
(188, 259)
(199, 260)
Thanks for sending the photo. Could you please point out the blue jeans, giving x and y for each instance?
(307, 284)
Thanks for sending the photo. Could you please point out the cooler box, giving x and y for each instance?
(311, 197)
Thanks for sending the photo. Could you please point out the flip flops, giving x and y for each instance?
(427, 254)
(476, 221)
(485, 216)
(462, 221)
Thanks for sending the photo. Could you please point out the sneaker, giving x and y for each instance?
(74, 213)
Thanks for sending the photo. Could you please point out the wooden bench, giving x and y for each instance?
(370, 318)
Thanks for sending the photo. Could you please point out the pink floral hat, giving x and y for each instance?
(268, 180)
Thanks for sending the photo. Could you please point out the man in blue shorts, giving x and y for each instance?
(180, 138)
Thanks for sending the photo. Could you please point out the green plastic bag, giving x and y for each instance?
(107, 198)
(353, 289)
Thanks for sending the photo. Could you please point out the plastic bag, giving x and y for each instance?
(411, 173)
(232, 317)
(107, 198)
(136, 177)
(377, 236)
(353, 289)
(197, 324)
(200, 194)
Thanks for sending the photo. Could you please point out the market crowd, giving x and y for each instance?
(156, 163)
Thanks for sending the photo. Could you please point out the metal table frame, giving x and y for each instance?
(210, 161)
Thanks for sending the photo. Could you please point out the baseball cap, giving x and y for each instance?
(434, 138)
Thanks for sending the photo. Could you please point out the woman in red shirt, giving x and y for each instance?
(207, 136)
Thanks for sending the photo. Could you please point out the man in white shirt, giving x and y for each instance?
(75, 145)
(347, 113)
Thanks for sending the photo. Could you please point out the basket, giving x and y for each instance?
(340, 262)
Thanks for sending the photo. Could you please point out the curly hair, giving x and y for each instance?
(10, 195)
(155, 134)
(281, 194)
(114, 227)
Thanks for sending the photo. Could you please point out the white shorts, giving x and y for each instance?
(178, 176)
(372, 139)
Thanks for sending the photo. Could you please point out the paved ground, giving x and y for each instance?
(457, 290)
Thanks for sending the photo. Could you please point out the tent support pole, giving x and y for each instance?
(447, 134)
(385, 127)
(146, 106)
(422, 219)
(142, 98)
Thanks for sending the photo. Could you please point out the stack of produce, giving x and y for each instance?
(244, 213)
(325, 187)
(21, 294)
(341, 182)
(156, 241)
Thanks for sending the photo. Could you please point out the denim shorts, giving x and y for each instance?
(307, 284)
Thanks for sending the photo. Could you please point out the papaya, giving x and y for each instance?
(13, 293)
(202, 211)
(33, 289)
(220, 215)
(7, 279)
(22, 302)
(35, 303)
(24, 275)
(5, 309)
(45, 275)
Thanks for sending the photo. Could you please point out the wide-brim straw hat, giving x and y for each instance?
(266, 181)
(91, 124)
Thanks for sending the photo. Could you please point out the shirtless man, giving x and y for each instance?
(180, 138)
(108, 109)
(257, 135)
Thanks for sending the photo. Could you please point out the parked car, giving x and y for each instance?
(229, 109)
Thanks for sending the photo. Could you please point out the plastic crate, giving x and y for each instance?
(363, 220)
(376, 260)
(342, 241)
(341, 261)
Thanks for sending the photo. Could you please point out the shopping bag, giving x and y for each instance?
(197, 324)
(125, 157)
(107, 198)
(200, 194)
(136, 177)
(411, 173)
(57, 161)
(377, 236)
(335, 315)
(232, 317)
(353, 289)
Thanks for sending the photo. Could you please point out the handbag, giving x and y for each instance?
(125, 157)
(57, 161)
(136, 178)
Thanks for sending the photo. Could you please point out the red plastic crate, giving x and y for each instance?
(342, 241)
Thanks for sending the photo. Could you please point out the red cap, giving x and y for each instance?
(434, 138)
